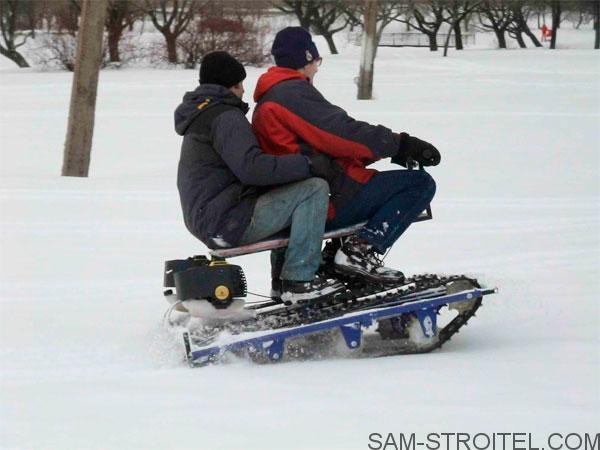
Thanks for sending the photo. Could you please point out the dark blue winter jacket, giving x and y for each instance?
(222, 169)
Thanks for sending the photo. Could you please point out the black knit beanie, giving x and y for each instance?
(221, 68)
(294, 48)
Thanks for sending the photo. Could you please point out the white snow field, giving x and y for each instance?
(85, 363)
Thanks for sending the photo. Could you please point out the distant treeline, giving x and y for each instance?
(191, 28)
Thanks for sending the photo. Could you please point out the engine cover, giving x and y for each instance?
(198, 278)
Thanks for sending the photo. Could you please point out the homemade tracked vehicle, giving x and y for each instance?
(208, 298)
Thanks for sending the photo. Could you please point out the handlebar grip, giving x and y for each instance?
(427, 153)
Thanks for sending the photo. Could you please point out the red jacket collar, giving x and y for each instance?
(274, 76)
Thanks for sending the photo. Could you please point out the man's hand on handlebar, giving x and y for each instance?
(412, 148)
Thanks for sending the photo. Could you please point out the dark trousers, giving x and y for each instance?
(389, 203)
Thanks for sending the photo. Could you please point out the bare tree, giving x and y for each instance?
(556, 13)
(578, 13)
(302, 9)
(520, 14)
(428, 18)
(60, 51)
(387, 12)
(458, 10)
(218, 29)
(538, 7)
(325, 17)
(60, 19)
(64, 16)
(499, 17)
(171, 18)
(12, 37)
(369, 45)
(330, 18)
(596, 6)
(80, 128)
(121, 14)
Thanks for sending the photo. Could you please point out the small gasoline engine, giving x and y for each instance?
(200, 278)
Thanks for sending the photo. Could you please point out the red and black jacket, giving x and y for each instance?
(291, 116)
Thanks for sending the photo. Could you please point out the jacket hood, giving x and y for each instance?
(196, 101)
(273, 76)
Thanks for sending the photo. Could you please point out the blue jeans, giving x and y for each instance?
(389, 203)
(303, 207)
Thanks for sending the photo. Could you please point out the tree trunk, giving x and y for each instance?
(532, 36)
(190, 61)
(556, 10)
(447, 41)
(597, 25)
(78, 146)
(367, 57)
(519, 38)
(378, 35)
(171, 48)
(467, 21)
(330, 42)
(457, 37)
(501, 39)
(521, 27)
(432, 42)
(580, 20)
(114, 37)
(14, 56)
(304, 22)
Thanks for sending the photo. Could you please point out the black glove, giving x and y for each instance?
(414, 148)
(323, 167)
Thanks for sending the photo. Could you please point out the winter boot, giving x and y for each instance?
(294, 292)
(357, 257)
(277, 261)
(326, 269)
(276, 289)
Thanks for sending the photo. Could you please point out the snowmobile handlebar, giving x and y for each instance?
(412, 164)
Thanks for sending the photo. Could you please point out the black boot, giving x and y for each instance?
(276, 289)
(294, 292)
(277, 261)
(358, 257)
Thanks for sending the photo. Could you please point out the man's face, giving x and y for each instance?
(238, 89)
(310, 70)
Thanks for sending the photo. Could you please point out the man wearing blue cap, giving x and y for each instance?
(293, 117)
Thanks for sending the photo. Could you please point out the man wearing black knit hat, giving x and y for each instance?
(293, 117)
(233, 194)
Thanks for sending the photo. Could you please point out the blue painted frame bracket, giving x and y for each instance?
(274, 349)
(428, 320)
(352, 333)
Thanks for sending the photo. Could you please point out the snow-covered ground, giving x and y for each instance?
(85, 364)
